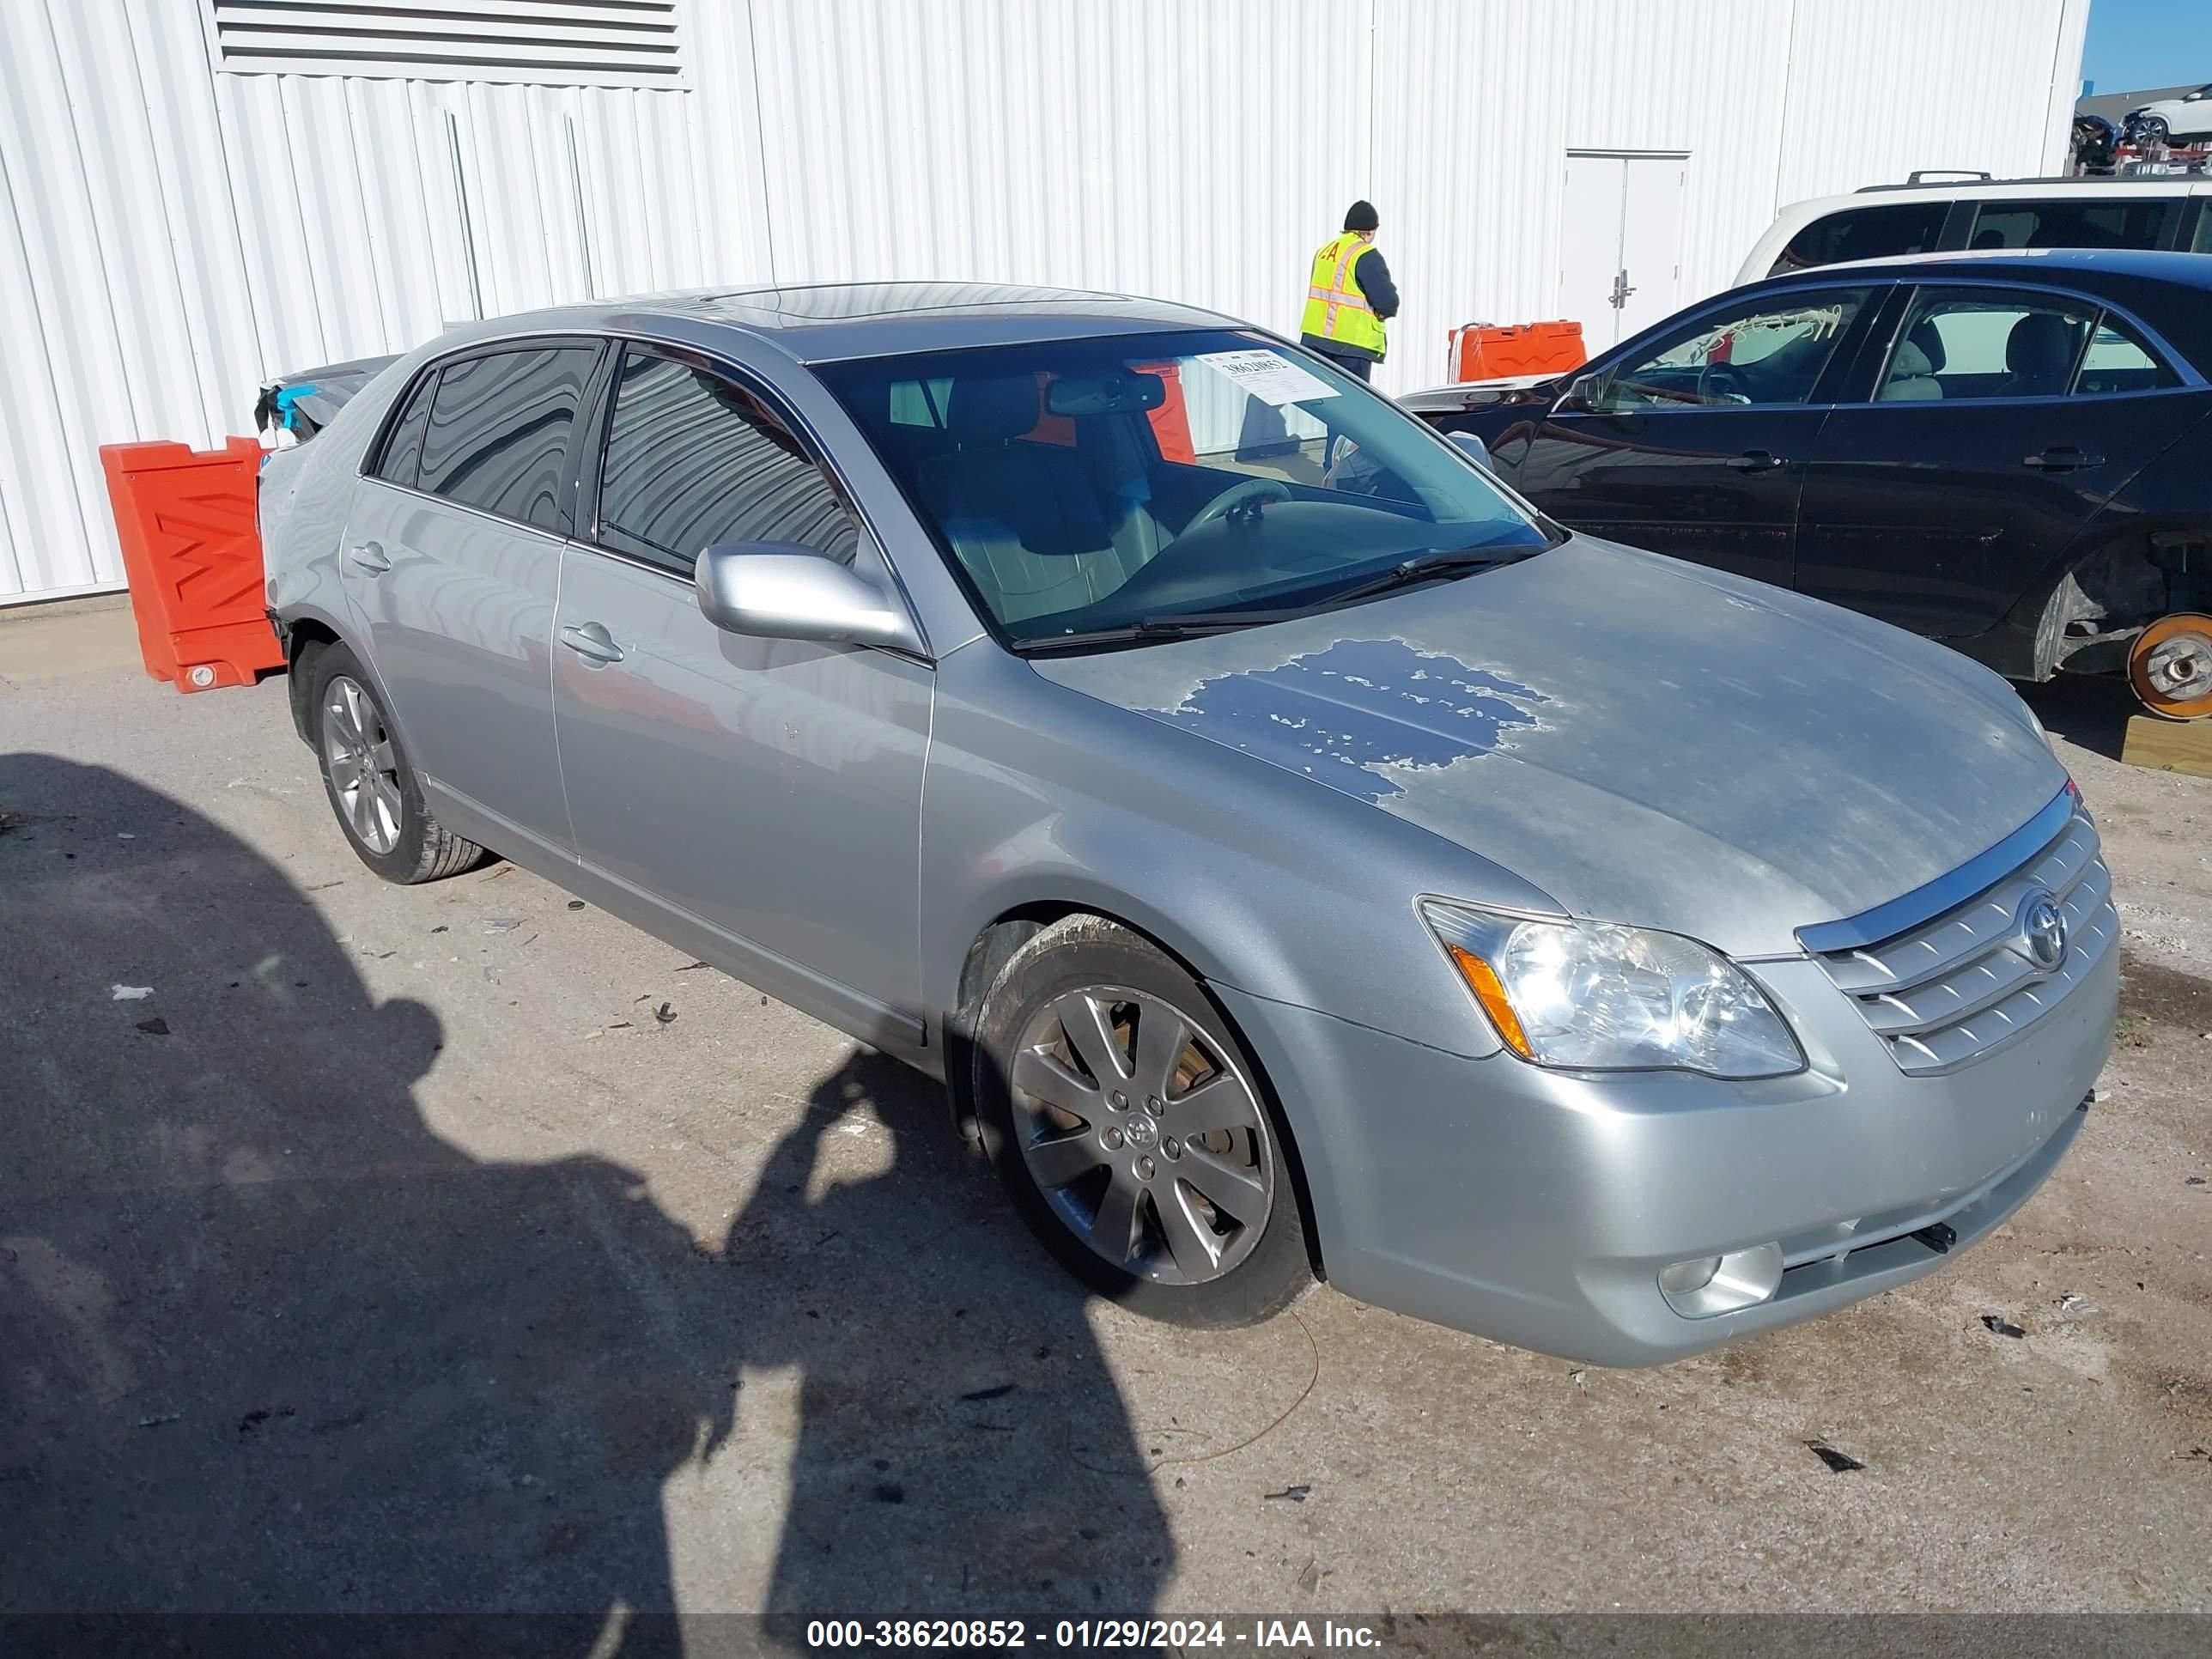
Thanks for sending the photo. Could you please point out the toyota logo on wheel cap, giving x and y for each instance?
(2042, 930)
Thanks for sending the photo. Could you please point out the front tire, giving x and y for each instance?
(1133, 1132)
(372, 789)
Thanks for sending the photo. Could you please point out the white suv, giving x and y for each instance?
(1885, 221)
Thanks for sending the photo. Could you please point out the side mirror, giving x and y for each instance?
(781, 591)
(1583, 394)
(1471, 446)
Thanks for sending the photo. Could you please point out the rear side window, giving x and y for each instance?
(1966, 343)
(498, 432)
(2070, 223)
(1869, 233)
(693, 459)
(402, 460)
(2202, 244)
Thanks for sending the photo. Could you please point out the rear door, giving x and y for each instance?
(1991, 429)
(758, 799)
(1693, 442)
(451, 561)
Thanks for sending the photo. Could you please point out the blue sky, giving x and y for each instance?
(2135, 44)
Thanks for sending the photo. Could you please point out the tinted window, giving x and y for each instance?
(2118, 361)
(2070, 223)
(1968, 342)
(1771, 355)
(692, 459)
(1869, 232)
(499, 430)
(403, 449)
(2202, 244)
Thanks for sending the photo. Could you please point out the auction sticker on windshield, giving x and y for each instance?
(1267, 375)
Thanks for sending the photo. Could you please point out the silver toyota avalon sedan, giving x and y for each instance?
(1296, 854)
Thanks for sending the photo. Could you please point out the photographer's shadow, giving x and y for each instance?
(273, 1345)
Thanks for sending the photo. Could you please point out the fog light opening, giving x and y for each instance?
(1688, 1278)
(1706, 1286)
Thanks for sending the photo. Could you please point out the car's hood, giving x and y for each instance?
(1647, 741)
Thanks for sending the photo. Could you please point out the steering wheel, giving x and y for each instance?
(1722, 383)
(1239, 501)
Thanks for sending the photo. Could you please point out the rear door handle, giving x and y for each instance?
(2065, 458)
(368, 556)
(1756, 460)
(591, 640)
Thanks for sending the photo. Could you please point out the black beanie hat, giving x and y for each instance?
(1361, 216)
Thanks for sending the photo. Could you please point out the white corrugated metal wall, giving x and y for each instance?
(173, 234)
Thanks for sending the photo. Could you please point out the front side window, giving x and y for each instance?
(2070, 223)
(1769, 357)
(498, 432)
(1868, 233)
(1082, 487)
(1986, 343)
(693, 459)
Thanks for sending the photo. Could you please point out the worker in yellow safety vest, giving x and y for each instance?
(1349, 295)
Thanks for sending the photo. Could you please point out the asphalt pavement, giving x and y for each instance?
(375, 1249)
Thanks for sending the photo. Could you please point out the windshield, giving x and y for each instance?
(1085, 487)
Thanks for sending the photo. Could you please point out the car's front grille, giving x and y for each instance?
(1946, 991)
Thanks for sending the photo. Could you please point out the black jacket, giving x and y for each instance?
(1374, 279)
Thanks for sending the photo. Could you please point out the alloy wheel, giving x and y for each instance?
(1146, 1140)
(364, 771)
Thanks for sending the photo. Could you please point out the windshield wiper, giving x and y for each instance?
(1161, 628)
(1193, 624)
(1426, 567)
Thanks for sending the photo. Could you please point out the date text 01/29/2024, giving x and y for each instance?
(1290, 1635)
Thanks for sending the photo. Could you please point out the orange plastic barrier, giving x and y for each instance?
(192, 552)
(1480, 352)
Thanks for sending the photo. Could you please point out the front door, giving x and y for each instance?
(1694, 443)
(763, 796)
(1999, 421)
(452, 560)
(1621, 241)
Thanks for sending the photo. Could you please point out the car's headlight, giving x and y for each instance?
(1593, 996)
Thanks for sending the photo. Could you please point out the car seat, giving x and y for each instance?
(2039, 356)
(1911, 376)
(1031, 523)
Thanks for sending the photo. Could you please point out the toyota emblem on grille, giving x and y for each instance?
(2042, 935)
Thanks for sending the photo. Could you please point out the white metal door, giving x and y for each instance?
(1621, 240)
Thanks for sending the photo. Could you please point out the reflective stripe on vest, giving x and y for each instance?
(1336, 309)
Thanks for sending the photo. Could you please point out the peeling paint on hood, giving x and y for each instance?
(1647, 741)
(1357, 712)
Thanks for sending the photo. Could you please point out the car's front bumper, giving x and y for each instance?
(1538, 1208)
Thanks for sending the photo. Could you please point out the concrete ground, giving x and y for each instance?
(369, 1247)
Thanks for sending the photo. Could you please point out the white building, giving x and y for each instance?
(199, 194)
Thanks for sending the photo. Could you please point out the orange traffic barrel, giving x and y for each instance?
(191, 550)
(1480, 352)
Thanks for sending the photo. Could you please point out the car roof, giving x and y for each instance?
(826, 322)
(2041, 265)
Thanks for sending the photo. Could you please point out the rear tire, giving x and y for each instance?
(1132, 1131)
(371, 788)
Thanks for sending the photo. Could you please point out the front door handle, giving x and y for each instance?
(592, 640)
(1756, 460)
(2063, 458)
(368, 556)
